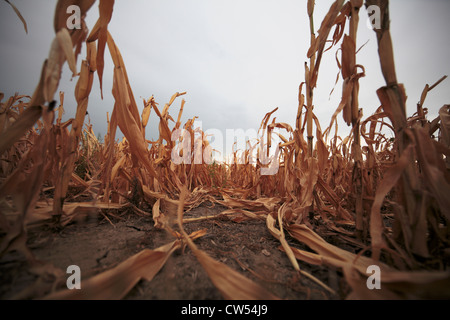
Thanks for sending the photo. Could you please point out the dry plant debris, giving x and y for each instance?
(387, 197)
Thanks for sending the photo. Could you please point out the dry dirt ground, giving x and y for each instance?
(97, 245)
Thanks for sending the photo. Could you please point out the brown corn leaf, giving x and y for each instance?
(37, 99)
(394, 284)
(268, 204)
(345, 101)
(321, 40)
(308, 182)
(146, 112)
(399, 285)
(118, 63)
(24, 186)
(61, 15)
(348, 48)
(71, 211)
(158, 217)
(118, 166)
(329, 253)
(60, 51)
(106, 9)
(26, 120)
(65, 42)
(279, 234)
(385, 50)
(231, 284)
(61, 107)
(91, 56)
(333, 198)
(177, 125)
(239, 215)
(82, 90)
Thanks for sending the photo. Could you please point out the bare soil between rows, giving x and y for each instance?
(97, 245)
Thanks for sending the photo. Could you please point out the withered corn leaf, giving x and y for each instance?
(115, 283)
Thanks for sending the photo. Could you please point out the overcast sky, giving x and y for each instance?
(236, 59)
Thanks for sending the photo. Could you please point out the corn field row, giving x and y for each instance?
(390, 196)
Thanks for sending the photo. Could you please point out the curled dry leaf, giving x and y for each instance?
(19, 15)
